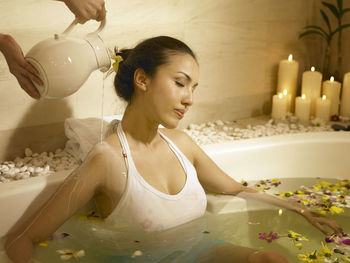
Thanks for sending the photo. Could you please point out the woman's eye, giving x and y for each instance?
(179, 84)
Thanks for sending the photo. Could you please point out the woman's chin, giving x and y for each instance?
(170, 124)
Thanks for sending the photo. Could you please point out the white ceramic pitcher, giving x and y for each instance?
(65, 63)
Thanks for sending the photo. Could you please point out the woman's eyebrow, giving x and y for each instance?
(188, 77)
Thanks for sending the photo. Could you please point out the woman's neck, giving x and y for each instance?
(136, 125)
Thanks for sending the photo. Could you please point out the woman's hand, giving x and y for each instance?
(319, 221)
(85, 10)
(24, 72)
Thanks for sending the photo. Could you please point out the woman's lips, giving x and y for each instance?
(180, 113)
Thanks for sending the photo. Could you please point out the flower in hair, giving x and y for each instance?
(117, 60)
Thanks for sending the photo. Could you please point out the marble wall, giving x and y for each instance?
(238, 43)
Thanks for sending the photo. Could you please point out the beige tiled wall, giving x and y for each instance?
(238, 42)
(345, 67)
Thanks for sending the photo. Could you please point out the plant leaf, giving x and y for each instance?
(310, 32)
(345, 10)
(333, 9)
(325, 18)
(318, 28)
(339, 28)
(340, 5)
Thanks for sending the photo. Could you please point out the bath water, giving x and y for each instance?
(103, 243)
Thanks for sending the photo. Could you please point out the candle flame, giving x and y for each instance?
(332, 79)
(290, 57)
(280, 212)
(280, 95)
(303, 96)
(324, 97)
(312, 68)
(285, 92)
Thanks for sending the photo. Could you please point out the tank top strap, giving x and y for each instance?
(124, 144)
(176, 150)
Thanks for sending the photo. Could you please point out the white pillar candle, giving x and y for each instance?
(279, 106)
(289, 100)
(331, 89)
(288, 77)
(345, 97)
(323, 108)
(302, 108)
(311, 86)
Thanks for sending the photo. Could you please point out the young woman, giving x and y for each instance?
(144, 177)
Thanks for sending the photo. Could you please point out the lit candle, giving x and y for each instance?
(289, 100)
(279, 106)
(302, 108)
(323, 108)
(345, 97)
(311, 86)
(288, 77)
(331, 89)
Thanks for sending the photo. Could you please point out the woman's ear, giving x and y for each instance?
(140, 79)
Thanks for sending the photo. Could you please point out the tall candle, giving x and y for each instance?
(288, 77)
(302, 108)
(279, 106)
(311, 86)
(323, 108)
(331, 89)
(345, 97)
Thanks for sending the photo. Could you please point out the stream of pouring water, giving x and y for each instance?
(104, 76)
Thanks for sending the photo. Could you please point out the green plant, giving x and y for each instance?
(327, 34)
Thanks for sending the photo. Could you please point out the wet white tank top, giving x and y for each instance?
(143, 206)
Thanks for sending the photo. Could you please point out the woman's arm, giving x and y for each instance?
(73, 194)
(215, 180)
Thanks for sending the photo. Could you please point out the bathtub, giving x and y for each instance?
(322, 154)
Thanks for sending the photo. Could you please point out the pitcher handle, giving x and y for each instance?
(76, 21)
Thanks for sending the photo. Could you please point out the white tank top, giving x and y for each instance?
(143, 206)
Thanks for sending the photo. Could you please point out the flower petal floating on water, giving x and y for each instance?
(326, 252)
(44, 244)
(346, 242)
(296, 236)
(313, 257)
(67, 254)
(336, 210)
(137, 253)
(268, 237)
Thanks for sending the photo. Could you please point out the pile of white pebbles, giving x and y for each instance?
(224, 131)
(35, 164)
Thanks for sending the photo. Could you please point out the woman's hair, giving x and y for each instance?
(148, 55)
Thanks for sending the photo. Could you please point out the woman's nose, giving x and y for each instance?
(188, 97)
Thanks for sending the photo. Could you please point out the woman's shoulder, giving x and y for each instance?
(177, 136)
(181, 139)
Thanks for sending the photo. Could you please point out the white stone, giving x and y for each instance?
(28, 152)
(219, 122)
(38, 170)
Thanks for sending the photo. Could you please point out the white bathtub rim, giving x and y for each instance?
(277, 140)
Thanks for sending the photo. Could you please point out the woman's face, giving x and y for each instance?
(170, 91)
